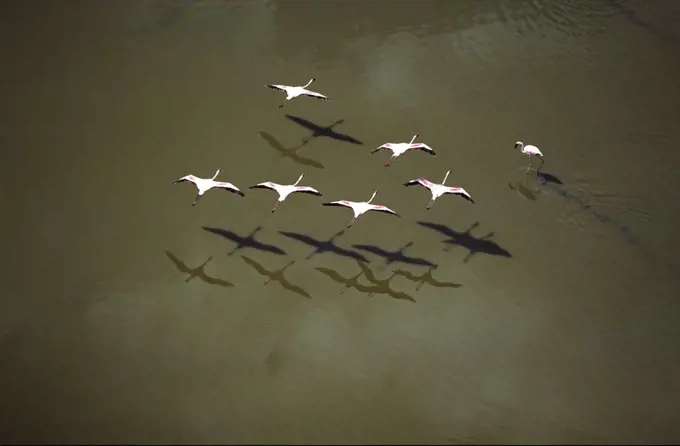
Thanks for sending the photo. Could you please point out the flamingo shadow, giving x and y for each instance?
(322, 246)
(397, 256)
(548, 178)
(245, 242)
(376, 287)
(468, 241)
(277, 276)
(426, 278)
(290, 153)
(199, 271)
(327, 131)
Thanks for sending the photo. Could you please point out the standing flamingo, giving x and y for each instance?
(439, 189)
(360, 207)
(531, 152)
(286, 189)
(295, 91)
(402, 147)
(205, 184)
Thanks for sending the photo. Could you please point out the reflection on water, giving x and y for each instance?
(523, 188)
(277, 276)
(468, 241)
(426, 277)
(197, 272)
(290, 153)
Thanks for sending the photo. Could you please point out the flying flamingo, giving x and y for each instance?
(205, 184)
(530, 151)
(286, 189)
(439, 189)
(295, 91)
(402, 147)
(360, 207)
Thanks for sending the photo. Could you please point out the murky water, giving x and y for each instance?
(546, 312)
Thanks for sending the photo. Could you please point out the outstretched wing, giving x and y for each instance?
(385, 209)
(230, 187)
(460, 192)
(418, 182)
(266, 185)
(276, 87)
(314, 94)
(178, 263)
(308, 190)
(255, 265)
(424, 147)
(384, 146)
(343, 203)
(189, 178)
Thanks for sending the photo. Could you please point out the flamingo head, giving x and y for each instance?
(519, 145)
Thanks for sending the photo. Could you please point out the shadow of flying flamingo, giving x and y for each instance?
(322, 246)
(197, 272)
(277, 276)
(397, 256)
(426, 277)
(326, 131)
(468, 241)
(290, 153)
(245, 242)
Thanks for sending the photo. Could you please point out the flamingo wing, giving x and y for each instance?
(384, 146)
(418, 181)
(314, 94)
(345, 203)
(460, 192)
(424, 147)
(266, 185)
(277, 87)
(385, 209)
(308, 190)
(190, 178)
(230, 187)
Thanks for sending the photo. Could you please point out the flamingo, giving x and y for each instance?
(295, 91)
(402, 147)
(439, 189)
(360, 207)
(530, 151)
(205, 184)
(286, 189)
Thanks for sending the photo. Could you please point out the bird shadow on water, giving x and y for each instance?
(290, 153)
(248, 241)
(322, 246)
(468, 241)
(426, 277)
(397, 256)
(327, 131)
(199, 271)
(377, 286)
(277, 276)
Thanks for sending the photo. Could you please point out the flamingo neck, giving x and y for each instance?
(372, 197)
(413, 139)
(308, 83)
(298, 180)
(446, 176)
(216, 173)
